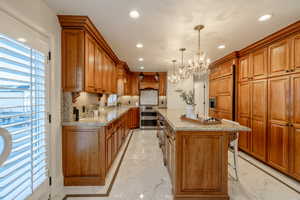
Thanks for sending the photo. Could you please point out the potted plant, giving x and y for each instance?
(188, 98)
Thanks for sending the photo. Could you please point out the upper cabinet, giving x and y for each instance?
(162, 84)
(244, 68)
(279, 58)
(88, 63)
(259, 67)
(295, 57)
(135, 84)
(72, 60)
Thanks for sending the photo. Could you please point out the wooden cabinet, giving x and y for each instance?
(279, 58)
(295, 55)
(259, 67)
(259, 100)
(89, 64)
(278, 100)
(244, 68)
(98, 70)
(244, 99)
(278, 145)
(83, 155)
(134, 118)
(244, 137)
(135, 84)
(162, 84)
(295, 151)
(72, 60)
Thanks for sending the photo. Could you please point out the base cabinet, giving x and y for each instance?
(89, 152)
(83, 156)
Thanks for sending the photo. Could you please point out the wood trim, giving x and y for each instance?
(274, 37)
(232, 56)
(84, 22)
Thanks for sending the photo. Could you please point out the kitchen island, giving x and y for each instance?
(196, 156)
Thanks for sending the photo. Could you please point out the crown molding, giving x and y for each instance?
(84, 22)
(274, 37)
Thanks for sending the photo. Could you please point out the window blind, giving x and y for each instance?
(23, 113)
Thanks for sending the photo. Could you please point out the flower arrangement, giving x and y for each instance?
(188, 98)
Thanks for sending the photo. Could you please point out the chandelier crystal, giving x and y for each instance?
(173, 77)
(200, 64)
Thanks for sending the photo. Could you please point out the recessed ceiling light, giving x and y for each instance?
(264, 17)
(141, 59)
(141, 67)
(139, 45)
(222, 46)
(22, 39)
(134, 14)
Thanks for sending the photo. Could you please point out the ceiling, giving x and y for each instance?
(165, 26)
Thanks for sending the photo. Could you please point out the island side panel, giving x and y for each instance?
(201, 165)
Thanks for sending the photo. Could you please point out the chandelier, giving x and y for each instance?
(200, 64)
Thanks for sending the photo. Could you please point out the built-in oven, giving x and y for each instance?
(212, 102)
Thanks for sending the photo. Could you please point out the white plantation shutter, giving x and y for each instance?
(23, 113)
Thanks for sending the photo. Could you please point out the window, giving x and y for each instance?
(112, 100)
(23, 114)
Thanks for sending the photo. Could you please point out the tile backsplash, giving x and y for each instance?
(90, 101)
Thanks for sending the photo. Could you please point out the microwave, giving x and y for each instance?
(212, 102)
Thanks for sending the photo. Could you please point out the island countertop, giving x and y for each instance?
(172, 116)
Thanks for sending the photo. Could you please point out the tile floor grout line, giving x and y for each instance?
(112, 181)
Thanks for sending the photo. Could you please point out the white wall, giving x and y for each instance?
(37, 15)
(175, 102)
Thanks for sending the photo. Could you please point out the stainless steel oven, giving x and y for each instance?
(148, 117)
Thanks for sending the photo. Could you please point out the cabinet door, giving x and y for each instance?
(244, 69)
(295, 120)
(259, 68)
(295, 151)
(279, 58)
(89, 64)
(98, 70)
(244, 137)
(162, 84)
(72, 60)
(244, 99)
(105, 79)
(113, 78)
(278, 99)
(108, 153)
(295, 99)
(278, 150)
(295, 58)
(135, 84)
(224, 86)
(259, 100)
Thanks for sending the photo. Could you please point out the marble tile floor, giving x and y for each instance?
(143, 176)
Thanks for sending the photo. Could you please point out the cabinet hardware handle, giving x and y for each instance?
(292, 70)
(287, 70)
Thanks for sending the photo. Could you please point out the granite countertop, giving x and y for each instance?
(172, 116)
(105, 118)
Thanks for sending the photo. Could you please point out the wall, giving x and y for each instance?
(37, 15)
(175, 102)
